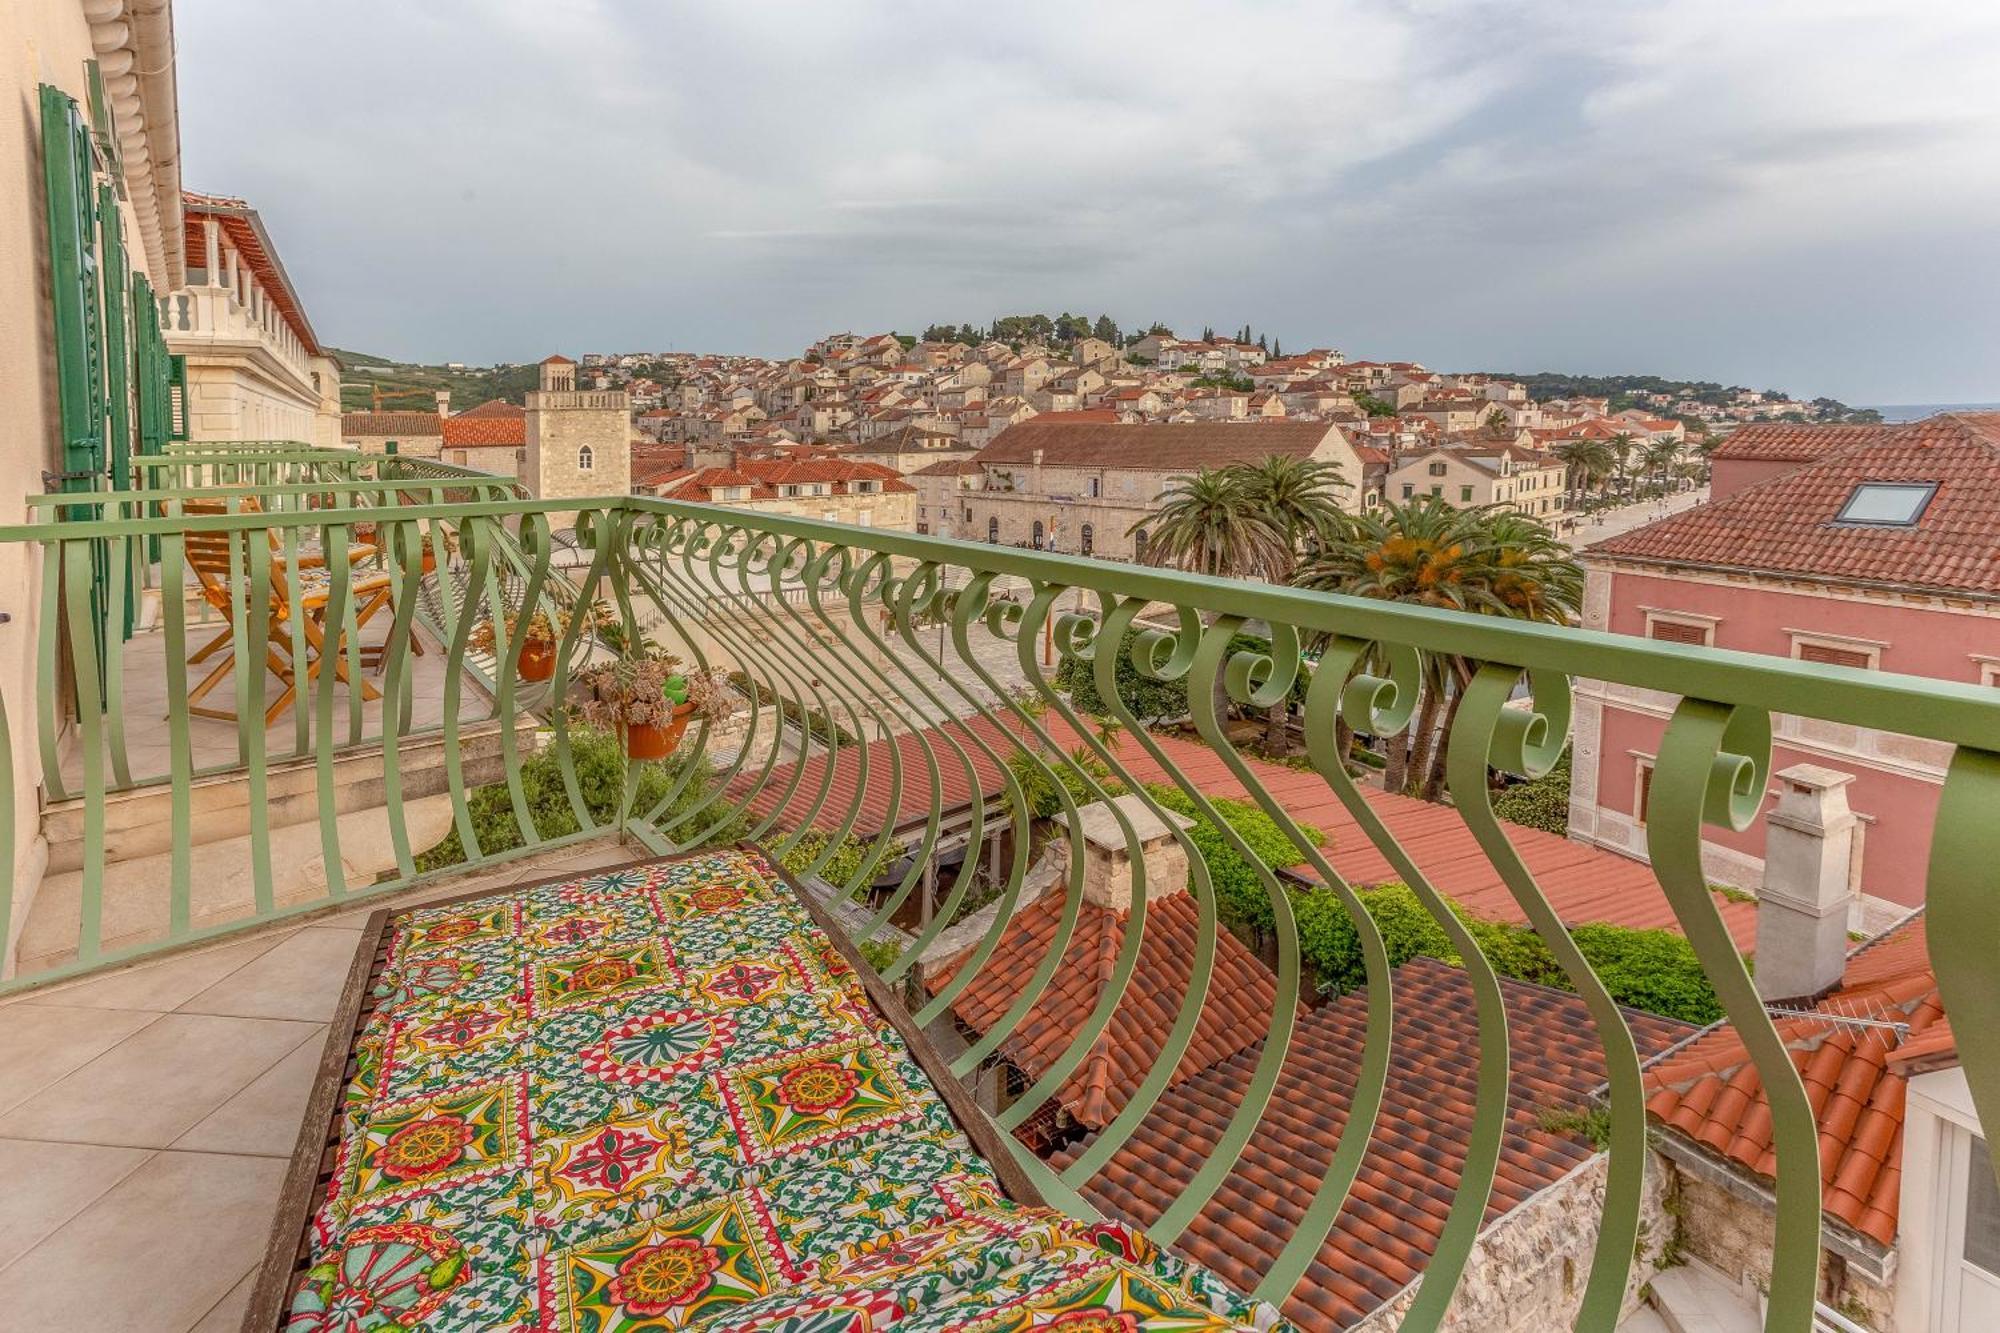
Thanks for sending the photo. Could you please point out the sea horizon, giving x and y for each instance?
(1918, 411)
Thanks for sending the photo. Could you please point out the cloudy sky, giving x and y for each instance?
(1801, 194)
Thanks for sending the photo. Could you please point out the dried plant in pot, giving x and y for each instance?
(648, 701)
(538, 634)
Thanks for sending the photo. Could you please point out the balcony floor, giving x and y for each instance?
(143, 681)
(122, 1163)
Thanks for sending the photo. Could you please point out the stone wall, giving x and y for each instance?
(1732, 1234)
(1528, 1271)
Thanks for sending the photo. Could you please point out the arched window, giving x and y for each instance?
(1038, 534)
(993, 528)
(1088, 537)
(585, 459)
(1139, 545)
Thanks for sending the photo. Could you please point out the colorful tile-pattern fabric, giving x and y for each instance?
(658, 1099)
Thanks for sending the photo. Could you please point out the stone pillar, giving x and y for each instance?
(1109, 857)
(1802, 911)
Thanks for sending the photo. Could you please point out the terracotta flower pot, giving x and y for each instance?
(538, 660)
(646, 741)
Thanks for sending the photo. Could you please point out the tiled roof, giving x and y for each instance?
(1150, 445)
(389, 424)
(1582, 883)
(245, 230)
(1235, 1013)
(1785, 525)
(950, 467)
(1793, 442)
(765, 475)
(557, 359)
(494, 424)
(1855, 1075)
(1392, 1220)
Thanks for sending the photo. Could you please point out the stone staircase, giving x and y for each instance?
(1695, 1298)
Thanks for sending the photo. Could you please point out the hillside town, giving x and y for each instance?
(915, 435)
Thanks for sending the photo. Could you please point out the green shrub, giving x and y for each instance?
(1541, 803)
(880, 954)
(1239, 894)
(1038, 789)
(1654, 971)
(600, 762)
(843, 865)
(1150, 700)
(1331, 946)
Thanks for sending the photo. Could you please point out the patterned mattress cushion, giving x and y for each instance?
(659, 1099)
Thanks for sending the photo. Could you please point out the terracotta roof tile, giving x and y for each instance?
(390, 424)
(1793, 442)
(494, 424)
(1786, 524)
(1854, 1077)
(1582, 883)
(1151, 445)
(1396, 1212)
(1235, 1013)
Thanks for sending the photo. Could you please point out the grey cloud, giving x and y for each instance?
(1493, 184)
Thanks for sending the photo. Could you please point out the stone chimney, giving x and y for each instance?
(1107, 866)
(444, 402)
(1035, 485)
(1802, 912)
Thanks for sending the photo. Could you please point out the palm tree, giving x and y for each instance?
(1659, 457)
(1297, 496)
(1482, 560)
(1588, 462)
(1621, 452)
(1211, 523)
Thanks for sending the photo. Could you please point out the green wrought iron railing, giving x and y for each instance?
(841, 637)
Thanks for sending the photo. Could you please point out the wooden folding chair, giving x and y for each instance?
(208, 555)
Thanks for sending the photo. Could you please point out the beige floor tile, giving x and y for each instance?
(227, 1316)
(157, 1084)
(263, 1119)
(40, 1044)
(301, 978)
(49, 1183)
(154, 1254)
(158, 986)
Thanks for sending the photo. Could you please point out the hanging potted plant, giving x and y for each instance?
(648, 701)
(538, 641)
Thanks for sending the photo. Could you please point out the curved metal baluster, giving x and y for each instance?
(1125, 962)
(1383, 705)
(1713, 765)
(1085, 640)
(1010, 622)
(1963, 903)
(1528, 743)
(1324, 696)
(974, 603)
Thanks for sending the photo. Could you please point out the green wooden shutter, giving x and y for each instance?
(177, 414)
(117, 341)
(67, 170)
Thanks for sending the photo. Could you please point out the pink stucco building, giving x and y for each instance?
(1869, 548)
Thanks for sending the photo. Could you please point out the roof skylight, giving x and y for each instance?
(1884, 504)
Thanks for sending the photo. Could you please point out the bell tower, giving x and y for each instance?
(579, 443)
